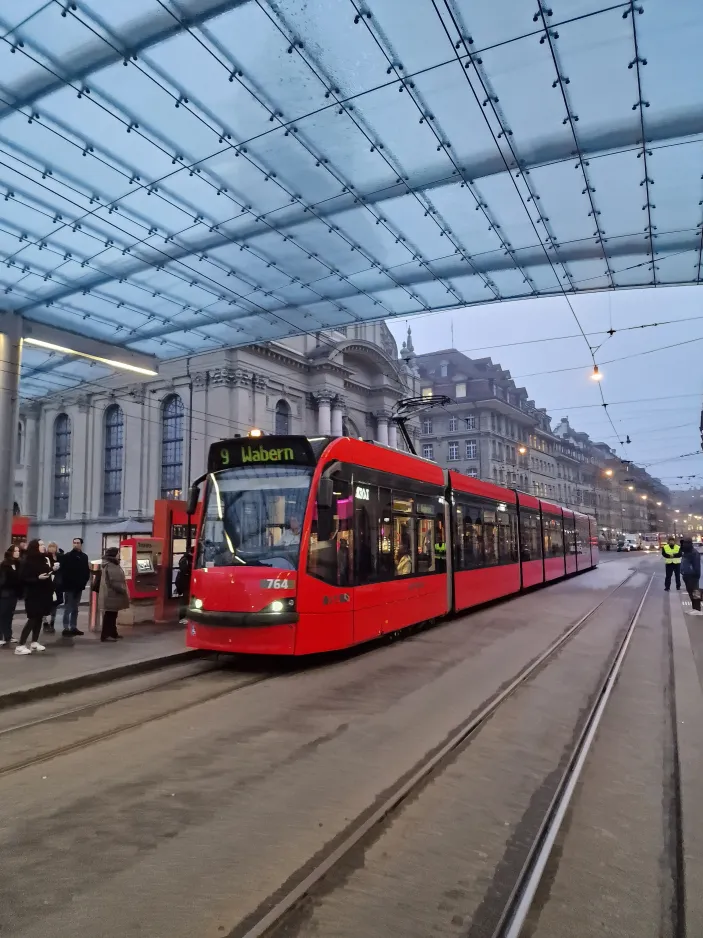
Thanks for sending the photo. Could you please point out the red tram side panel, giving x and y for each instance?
(501, 575)
(531, 543)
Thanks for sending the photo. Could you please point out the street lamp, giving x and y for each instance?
(631, 488)
(595, 374)
(608, 472)
(522, 449)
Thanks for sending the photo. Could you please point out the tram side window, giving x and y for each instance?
(530, 536)
(425, 545)
(373, 533)
(569, 536)
(553, 537)
(507, 536)
(330, 558)
(490, 538)
(469, 536)
(404, 534)
(583, 542)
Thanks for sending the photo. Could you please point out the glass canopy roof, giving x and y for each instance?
(177, 175)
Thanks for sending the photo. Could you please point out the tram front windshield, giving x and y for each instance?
(253, 516)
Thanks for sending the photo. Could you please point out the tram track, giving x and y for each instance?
(276, 917)
(197, 672)
(91, 707)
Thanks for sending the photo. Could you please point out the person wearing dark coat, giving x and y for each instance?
(38, 587)
(75, 574)
(10, 592)
(113, 595)
(54, 553)
(691, 575)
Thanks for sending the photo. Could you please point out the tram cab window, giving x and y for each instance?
(252, 517)
(331, 551)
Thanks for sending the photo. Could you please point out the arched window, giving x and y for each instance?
(282, 426)
(114, 447)
(62, 466)
(20, 436)
(172, 447)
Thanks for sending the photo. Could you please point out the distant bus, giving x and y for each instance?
(653, 542)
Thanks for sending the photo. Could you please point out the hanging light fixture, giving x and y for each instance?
(595, 374)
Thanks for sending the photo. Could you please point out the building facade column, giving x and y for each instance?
(196, 429)
(259, 385)
(134, 444)
(393, 434)
(81, 445)
(324, 416)
(337, 416)
(32, 415)
(11, 355)
(382, 424)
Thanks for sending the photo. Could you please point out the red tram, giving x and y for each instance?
(308, 545)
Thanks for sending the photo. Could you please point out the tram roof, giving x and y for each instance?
(180, 175)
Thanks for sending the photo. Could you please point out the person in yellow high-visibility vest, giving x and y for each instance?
(671, 552)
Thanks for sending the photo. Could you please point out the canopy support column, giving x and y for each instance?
(10, 365)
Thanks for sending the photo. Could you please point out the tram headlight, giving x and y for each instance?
(280, 605)
(196, 604)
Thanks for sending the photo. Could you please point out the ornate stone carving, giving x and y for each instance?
(260, 382)
(324, 396)
(220, 376)
(230, 377)
(339, 403)
(200, 379)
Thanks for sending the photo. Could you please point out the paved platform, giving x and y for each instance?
(69, 663)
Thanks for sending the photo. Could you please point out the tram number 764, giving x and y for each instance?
(277, 584)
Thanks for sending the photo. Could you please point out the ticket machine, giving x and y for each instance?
(140, 558)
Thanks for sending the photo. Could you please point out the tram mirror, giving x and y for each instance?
(193, 496)
(325, 493)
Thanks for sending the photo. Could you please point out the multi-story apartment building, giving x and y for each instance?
(493, 431)
(486, 431)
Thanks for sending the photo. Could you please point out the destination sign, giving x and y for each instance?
(260, 451)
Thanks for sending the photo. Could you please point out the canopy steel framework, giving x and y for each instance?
(177, 175)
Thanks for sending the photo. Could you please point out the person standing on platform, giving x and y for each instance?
(38, 588)
(10, 592)
(54, 554)
(113, 595)
(671, 552)
(75, 574)
(691, 573)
